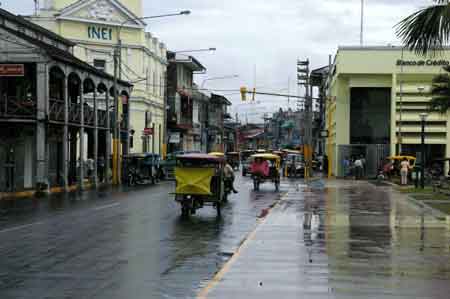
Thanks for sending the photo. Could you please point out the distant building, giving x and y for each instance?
(286, 129)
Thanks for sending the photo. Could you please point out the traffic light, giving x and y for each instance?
(243, 93)
(303, 72)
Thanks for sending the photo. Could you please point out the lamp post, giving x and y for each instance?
(423, 118)
(118, 75)
(218, 78)
(212, 49)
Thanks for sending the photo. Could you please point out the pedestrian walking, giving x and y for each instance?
(358, 168)
(404, 170)
(325, 164)
(90, 167)
(101, 168)
(229, 176)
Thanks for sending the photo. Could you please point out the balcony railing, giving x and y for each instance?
(13, 107)
(56, 110)
(89, 116)
(75, 113)
(102, 115)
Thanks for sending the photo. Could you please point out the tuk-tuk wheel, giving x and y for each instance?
(219, 208)
(255, 185)
(184, 211)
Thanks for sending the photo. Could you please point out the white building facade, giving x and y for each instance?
(96, 27)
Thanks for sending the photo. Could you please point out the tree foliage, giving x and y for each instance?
(427, 30)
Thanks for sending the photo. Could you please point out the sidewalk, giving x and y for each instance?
(339, 239)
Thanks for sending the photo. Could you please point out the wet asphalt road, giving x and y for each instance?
(341, 239)
(122, 244)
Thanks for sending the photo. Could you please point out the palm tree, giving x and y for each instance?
(441, 92)
(426, 30)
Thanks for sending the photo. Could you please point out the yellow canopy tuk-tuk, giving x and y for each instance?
(199, 181)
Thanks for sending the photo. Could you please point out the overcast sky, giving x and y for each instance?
(268, 34)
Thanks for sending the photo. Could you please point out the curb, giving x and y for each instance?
(205, 291)
(32, 194)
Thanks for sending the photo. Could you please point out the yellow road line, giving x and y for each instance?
(218, 277)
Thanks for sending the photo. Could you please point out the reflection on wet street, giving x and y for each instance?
(334, 239)
(194, 249)
(129, 243)
(342, 240)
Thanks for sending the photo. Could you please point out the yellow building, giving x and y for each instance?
(94, 26)
(374, 101)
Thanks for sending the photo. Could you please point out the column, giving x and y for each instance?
(394, 114)
(153, 138)
(41, 133)
(95, 138)
(65, 166)
(447, 146)
(160, 139)
(81, 153)
(108, 139)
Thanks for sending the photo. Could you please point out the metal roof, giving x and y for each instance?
(34, 27)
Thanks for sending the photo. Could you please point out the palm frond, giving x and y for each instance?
(426, 30)
(441, 79)
(440, 92)
(440, 104)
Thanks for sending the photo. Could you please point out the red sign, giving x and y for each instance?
(148, 131)
(12, 70)
(124, 100)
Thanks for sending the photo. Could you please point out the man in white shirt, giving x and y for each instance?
(358, 168)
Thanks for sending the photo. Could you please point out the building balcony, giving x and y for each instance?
(56, 110)
(13, 107)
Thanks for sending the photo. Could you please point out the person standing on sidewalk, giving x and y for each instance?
(364, 162)
(404, 170)
(358, 168)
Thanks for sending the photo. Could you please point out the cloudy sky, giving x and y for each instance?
(266, 35)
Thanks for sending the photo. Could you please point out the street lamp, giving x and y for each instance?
(117, 75)
(212, 49)
(218, 78)
(423, 118)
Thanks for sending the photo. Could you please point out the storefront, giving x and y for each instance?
(374, 101)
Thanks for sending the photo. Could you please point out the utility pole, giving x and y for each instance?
(361, 37)
(304, 79)
(116, 129)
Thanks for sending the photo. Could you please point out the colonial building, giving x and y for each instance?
(217, 114)
(185, 104)
(96, 26)
(47, 128)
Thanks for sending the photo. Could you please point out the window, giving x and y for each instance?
(154, 83)
(148, 119)
(100, 64)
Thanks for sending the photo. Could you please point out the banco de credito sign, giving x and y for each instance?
(429, 62)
